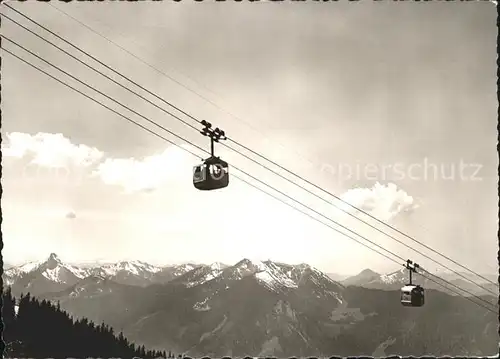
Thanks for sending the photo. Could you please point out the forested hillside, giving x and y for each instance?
(40, 329)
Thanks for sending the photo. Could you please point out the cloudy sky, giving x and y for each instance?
(390, 105)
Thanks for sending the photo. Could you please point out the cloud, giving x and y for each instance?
(54, 151)
(71, 215)
(181, 212)
(383, 202)
(49, 150)
(171, 168)
(149, 173)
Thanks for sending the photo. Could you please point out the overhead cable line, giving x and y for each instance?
(176, 81)
(255, 152)
(370, 225)
(172, 133)
(375, 218)
(177, 145)
(239, 178)
(256, 179)
(194, 92)
(230, 114)
(273, 162)
(258, 154)
(459, 274)
(97, 71)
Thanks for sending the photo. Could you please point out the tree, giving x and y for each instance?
(27, 336)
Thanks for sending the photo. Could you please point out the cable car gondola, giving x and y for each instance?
(213, 173)
(412, 295)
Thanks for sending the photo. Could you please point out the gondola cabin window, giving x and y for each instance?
(406, 296)
(412, 296)
(199, 173)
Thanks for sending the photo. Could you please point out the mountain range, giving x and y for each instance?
(261, 309)
(53, 275)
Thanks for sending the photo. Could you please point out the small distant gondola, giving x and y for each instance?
(213, 173)
(412, 295)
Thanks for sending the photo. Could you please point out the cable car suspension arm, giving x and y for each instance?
(215, 134)
(412, 267)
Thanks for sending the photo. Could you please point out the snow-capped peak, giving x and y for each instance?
(134, 267)
(274, 277)
(25, 268)
(218, 266)
(53, 262)
(52, 269)
(395, 277)
(203, 274)
(277, 276)
(57, 271)
(247, 266)
(184, 268)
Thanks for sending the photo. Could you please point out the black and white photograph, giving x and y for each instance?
(249, 179)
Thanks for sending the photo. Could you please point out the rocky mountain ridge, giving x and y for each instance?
(274, 309)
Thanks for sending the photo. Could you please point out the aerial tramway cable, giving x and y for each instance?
(62, 82)
(258, 154)
(247, 174)
(300, 203)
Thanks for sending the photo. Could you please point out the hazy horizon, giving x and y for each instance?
(99, 262)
